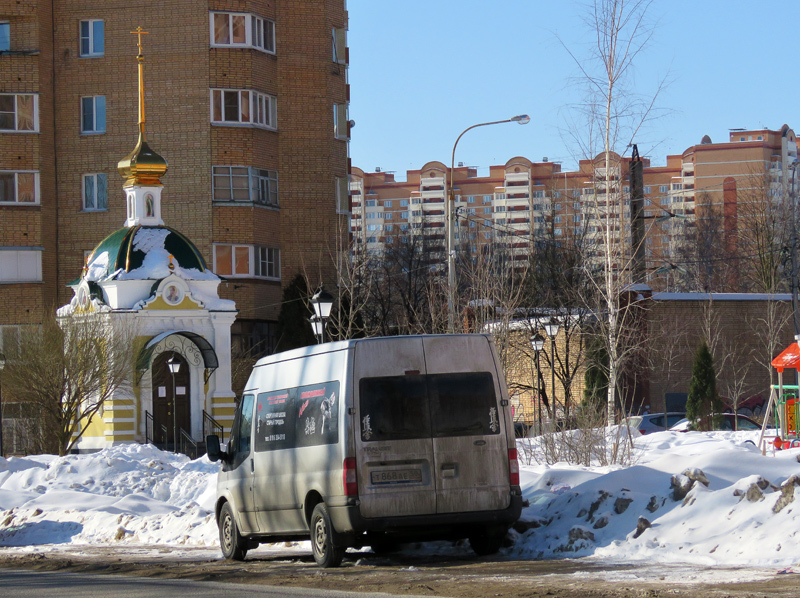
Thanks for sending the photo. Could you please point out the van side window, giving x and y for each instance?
(394, 408)
(463, 404)
(241, 432)
(298, 417)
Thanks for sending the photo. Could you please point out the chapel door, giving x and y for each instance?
(171, 407)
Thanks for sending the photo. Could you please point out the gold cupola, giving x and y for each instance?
(143, 166)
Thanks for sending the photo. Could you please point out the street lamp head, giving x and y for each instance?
(522, 119)
(317, 325)
(322, 302)
(552, 327)
(537, 342)
(174, 365)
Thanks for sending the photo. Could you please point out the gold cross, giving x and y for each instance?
(139, 31)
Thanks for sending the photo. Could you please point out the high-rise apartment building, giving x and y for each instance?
(249, 99)
(522, 202)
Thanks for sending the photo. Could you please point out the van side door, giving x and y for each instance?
(468, 423)
(394, 451)
(239, 467)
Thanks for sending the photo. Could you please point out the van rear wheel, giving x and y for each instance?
(234, 547)
(486, 544)
(325, 553)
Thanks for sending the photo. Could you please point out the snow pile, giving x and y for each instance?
(699, 498)
(132, 493)
(703, 498)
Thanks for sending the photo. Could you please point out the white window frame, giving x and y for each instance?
(15, 112)
(91, 39)
(16, 201)
(260, 184)
(259, 32)
(253, 253)
(341, 126)
(94, 177)
(269, 258)
(20, 264)
(253, 108)
(93, 128)
(339, 41)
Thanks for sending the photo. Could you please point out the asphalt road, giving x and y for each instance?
(55, 584)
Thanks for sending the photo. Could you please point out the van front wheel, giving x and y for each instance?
(233, 546)
(325, 553)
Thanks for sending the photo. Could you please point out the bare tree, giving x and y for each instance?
(67, 368)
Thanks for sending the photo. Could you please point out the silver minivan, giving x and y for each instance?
(371, 442)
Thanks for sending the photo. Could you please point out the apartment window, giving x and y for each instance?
(246, 261)
(403, 203)
(245, 107)
(342, 195)
(557, 207)
(95, 192)
(499, 195)
(470, 199)
(93, 114)
(416, 213)
(244, 184)
(242, 30)
(499, 208)
(5, 36)
(21, 265)
(677, 186)
(576, 218)
(92, 44)
(403, 215)
(663, 188)
(267, 262)
(372, 239)
(388, 228)
(339, 41)
(19, 187)
(557, 219)
(341, 128)
(387, 215)
(416, 200)
(556, 194)
(487, 210)
(576, 193)
(538, 194)
(19, 112)
(370, 203)
(403, 227)
(647, 189)
(487, 199)
(387, 203)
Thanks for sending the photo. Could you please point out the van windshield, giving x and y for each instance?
(434, 405)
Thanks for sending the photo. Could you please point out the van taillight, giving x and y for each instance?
(513, 467)
(350, 479)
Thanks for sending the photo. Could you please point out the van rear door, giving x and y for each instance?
(468, 425)
(393, 441)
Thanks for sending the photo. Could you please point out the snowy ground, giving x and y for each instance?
(746, 518)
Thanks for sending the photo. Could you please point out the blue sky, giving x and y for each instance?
(422, 72)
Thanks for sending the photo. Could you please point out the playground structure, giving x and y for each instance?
(785, 398)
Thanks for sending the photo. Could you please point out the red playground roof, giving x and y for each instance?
(790, 358)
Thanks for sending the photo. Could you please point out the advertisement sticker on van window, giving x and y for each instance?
(318, 414)
(275, 421)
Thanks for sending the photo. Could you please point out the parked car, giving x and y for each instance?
(654, 422)
(724, 422)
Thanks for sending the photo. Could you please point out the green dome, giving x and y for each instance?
(146, 253)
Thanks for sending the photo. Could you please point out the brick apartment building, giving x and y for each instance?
(248, 99)
(522, 201)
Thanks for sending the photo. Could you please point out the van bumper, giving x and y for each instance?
(349, 523)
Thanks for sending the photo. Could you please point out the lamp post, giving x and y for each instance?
(537, 342)
(794, 166)
(551, 328)
(522, 119)
(174, 367)
(322, 302)
(2, 365)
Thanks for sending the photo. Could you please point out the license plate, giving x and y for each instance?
(396, 476)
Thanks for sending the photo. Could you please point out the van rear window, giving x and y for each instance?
(434, 405)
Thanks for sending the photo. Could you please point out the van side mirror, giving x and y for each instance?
(215, 453)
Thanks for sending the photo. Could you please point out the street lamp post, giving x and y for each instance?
(551, 328)
(537, 342)
(2, 365)
(794, 165)
(522, 119)
(174, 367)
(322, 302)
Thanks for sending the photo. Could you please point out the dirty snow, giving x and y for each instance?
(746, 519)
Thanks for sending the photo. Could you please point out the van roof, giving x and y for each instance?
(341, 345)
